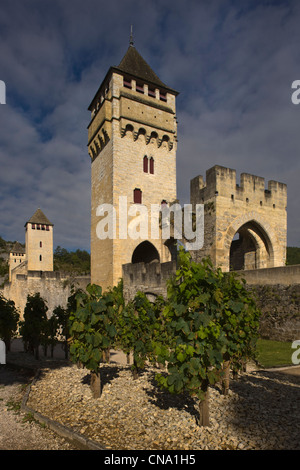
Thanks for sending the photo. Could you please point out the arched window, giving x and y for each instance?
(145, 164)
(152, 166)
(145, 252)
(137, 196)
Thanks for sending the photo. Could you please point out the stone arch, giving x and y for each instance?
(165, 140)
(151, 296)
(140, 132)
(127, 131)
(145, 252)
(171, 245)
(255, 247)
(153, 138)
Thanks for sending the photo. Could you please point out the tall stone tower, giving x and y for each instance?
(245, 222)
(39, 243)
(132, 141)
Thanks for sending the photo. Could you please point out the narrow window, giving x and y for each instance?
(151, 92)
(38, 227)
(40, 257)
(41, 244)
(47, 228)
(152, 166)
(137, 196)
(33, 226)
(163, 96)
(139, 87)
(145, 164)
(127, 82)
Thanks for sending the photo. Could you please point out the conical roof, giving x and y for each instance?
(17, 248)
(134, 64)
(39, 218)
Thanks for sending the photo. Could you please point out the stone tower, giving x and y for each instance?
(39, 243)
(245, 223)
(132, 141)
(17, 256)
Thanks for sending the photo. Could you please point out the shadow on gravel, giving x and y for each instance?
(270, 406)
(11, 375)
(165, 400)
(108, 374)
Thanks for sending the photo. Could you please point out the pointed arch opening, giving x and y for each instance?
(145, 252)
(250, 248)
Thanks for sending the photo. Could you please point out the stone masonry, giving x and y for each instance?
(132, 141)
(246, 210)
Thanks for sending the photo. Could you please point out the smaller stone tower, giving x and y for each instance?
(16, 257)
(245, 223)
(39, 243)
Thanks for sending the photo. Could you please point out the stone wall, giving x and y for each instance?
(277, 291)
(284, 275)
(53, 286)
(149, 278)
(280, 307)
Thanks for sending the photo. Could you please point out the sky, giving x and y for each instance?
(233, 63)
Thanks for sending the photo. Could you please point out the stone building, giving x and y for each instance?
(31, 268)
(245, 223)
(39, 243)
(132, 142)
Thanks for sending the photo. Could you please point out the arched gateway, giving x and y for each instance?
(245, 224)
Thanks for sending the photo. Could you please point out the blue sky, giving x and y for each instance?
(233, 63)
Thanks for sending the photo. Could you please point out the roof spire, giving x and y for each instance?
(131, 37)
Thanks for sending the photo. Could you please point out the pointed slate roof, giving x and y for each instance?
(17, 248)
(133, 64)
(39, 218)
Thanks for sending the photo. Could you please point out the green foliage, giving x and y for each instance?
(292, 255)
(138, 324)
(76, 262)
(209, 317)
(92, 329)
(34, 328)
(9, 317)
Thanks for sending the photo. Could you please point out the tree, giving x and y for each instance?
(137, 325)
(9, 318)
(62, 318)
(34, 326)
(92, 331)
(240, 323)
(200, 332)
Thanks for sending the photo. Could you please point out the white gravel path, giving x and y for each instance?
(15, 434)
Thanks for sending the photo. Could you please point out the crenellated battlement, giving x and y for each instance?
(222, 182)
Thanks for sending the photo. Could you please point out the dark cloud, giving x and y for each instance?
(233, 63)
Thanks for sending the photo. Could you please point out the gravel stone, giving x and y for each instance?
(16, 431)
(261, 411)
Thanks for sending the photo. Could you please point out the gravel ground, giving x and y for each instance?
(16, 431)
(262, 411)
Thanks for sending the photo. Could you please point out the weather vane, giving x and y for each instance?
(131, 37)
